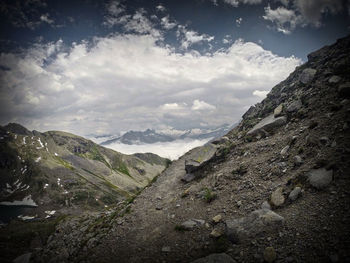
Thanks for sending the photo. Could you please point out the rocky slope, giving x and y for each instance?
(274, 189)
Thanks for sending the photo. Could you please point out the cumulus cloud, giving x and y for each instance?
(295, 13)
(202, 105)
(165, 22)
(190, 37)
(129, 81)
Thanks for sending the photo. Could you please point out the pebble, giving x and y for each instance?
(277, 198)
(215, 233)
(217, 219)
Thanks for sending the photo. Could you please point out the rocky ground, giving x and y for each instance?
(275, 189)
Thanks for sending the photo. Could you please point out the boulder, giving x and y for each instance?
(202, 156)
(344, 90)
(267, 124)
(307, 75)
(320, 178)
(215, 258)
(221, 140)
(259, 221)
(294, 106)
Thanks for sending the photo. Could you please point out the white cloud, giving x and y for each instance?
(202, 105)
(260, 93)
(161, 8)
(236, 3)
(190, 37)
(45, 18)
(119, 83)
(239, 21)
(165, 22)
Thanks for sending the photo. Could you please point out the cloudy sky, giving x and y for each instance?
(102, 67)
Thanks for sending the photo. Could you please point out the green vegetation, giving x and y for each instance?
(120, 166)
(209, 195)
(168, 162)
(64, 163)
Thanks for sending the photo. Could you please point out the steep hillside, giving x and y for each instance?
(67, 173)
(275, 189)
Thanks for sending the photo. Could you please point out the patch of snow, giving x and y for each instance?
(50, 213)
(46, 185)
(65, 192)
(27, 201)
(38, 159)
(1, 138)
(56, 154)
(15, 136)
(24, 218)
(25, 188)
(19, 157)
(25, 169)
(24, 140)
(8, 186)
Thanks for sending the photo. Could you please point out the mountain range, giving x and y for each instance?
(152, 136)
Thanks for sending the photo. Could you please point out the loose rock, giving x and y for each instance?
(277, 198)
(307, 75)
(295, 193)
(217, 219)
(320, 178)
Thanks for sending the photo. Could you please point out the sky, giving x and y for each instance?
(102, 67)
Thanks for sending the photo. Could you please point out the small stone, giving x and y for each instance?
(297, 160)
(266, 205)
(166, 249)
(334, 79)
(270, 254)
(215, 233)
(239, 203)
(217, 219)
(192, 223)
(285, 150)
(295, 193)
(277, 198)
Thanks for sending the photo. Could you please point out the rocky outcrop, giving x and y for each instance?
(267, 124)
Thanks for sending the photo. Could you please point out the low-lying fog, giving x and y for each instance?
(172, 150)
